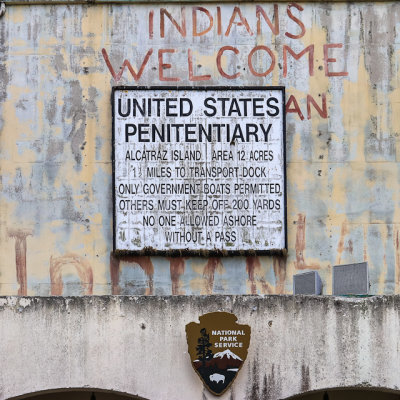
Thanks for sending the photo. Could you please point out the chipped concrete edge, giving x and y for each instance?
(144, 2)
(202, 300)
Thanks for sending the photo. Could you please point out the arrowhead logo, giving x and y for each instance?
(218, 348)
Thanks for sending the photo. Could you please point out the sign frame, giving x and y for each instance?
(150, 251)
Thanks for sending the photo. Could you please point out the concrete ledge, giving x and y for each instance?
(29, 2)
(137, 345)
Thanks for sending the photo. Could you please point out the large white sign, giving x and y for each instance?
(199, 169)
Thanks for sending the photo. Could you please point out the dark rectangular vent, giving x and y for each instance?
(350, 279)
(307, 283)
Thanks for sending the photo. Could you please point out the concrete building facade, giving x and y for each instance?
(59, 61)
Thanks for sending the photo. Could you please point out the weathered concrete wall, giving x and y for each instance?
(57, 66)
(137, 345)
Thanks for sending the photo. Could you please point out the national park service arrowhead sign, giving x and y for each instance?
(217, 348)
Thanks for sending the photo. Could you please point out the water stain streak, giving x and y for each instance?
(177, 269)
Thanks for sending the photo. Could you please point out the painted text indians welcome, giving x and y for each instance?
(214, 20)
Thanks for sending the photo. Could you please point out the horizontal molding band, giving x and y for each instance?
(189, 2)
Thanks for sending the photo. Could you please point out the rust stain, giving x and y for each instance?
(301, 244)
(144, 263)
(252, 264)
(212, 265)
(300, 241)
(147, 266)
(20, 257)
(280, 274)
(344, 231)
(114, 274)
(83, 268)
(266, 288)
(177, 269)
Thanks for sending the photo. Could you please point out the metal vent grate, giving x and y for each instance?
(350, 279)
(307, 283)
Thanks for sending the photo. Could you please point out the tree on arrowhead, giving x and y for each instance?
(203, 347)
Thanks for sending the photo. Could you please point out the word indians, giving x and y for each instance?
(237, 21)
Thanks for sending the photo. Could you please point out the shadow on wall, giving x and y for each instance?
(80, 395)
(349, 394)
(337, 394)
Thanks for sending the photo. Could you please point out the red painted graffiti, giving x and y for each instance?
(236, 18)
(232, 57)
(301, 245)
(83, 269)
(126, 64)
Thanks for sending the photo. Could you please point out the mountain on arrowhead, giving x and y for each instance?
(222, 360)
(226, 359)
(228, 354)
